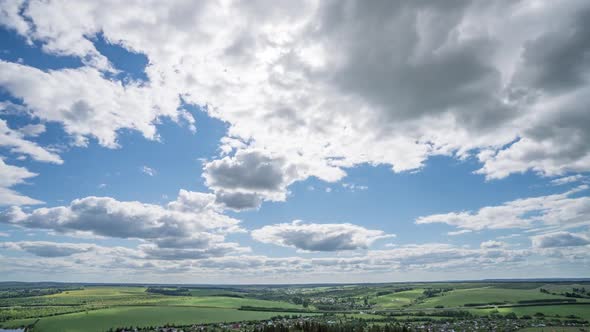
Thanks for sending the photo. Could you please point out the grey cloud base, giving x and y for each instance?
(319, 237)
(560, 239)
(190, 227)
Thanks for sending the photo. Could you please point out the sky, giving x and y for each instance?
(294, 141)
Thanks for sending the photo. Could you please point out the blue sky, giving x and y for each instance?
(228, 143)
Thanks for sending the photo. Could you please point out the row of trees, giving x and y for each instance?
(318, 326)
(30, 292)
(432, 292)
(579, 293)
(169, 291)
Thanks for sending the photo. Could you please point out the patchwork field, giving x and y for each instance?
(73, 308)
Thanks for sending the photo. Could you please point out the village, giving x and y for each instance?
(332, 323)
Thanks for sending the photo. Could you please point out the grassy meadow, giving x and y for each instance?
(398, 300)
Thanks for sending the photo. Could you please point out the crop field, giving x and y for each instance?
(101, 320)
(100, 308)
(224, 302)
(485, 295)
(552, 311)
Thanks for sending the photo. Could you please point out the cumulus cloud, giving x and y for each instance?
(248, 171)
(559, 239)
(86, 103)
(460, 79)
(433, 80)
(319, 237)
(190, 222)
(561, 210)
(243, 180)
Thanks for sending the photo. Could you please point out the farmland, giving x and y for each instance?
(486, 295)
(99, 308)
(103, 319)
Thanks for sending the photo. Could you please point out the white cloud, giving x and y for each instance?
(148, 171)
(10, 108)
(354, 187)
(12, 175)
(88, 104)
(435, 80)
(460, 232)
(567, 179)
(146, 252)
(15, 140)
(559, 210)
(32, 130)
(457, 79)
(319, 237)
(87, 260)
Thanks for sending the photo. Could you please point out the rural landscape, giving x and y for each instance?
(441, 306)
(294, 165)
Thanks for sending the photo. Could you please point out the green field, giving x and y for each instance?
(224, 302)
(553, 311)
(99, 308)
(101, 320)
(397, 300)
(109, 296)
(484, 295)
